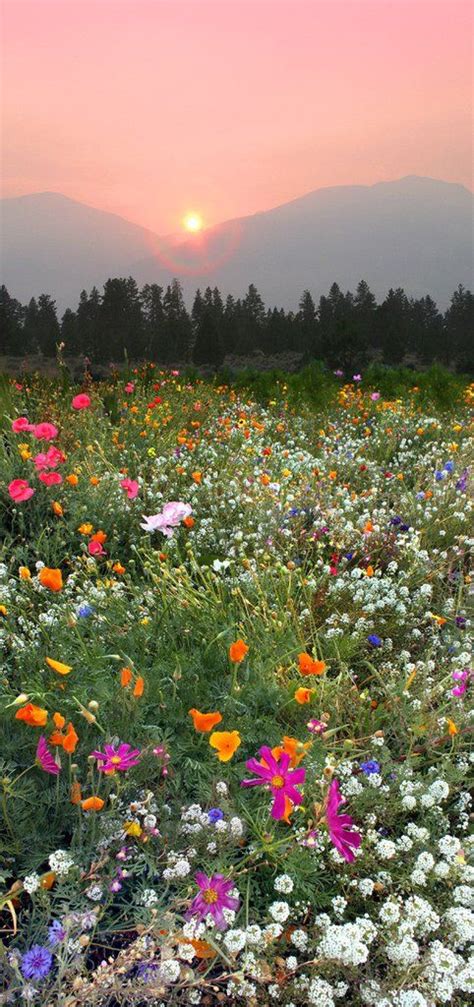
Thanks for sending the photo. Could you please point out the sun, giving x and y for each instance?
(192, 222)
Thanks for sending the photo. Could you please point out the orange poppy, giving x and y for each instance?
(72, 479)
(58, 720)
(310, 667)
(86, 528)
(139, 687)
(226, 743)
(303, 695)
(125, 677)
(204, 721)
(76, 792)
(197, 476)
(57, 509)
(33, 715)
(188, 522)
(203, 949)
(292, 747)
(47, 880)
(92, 804)
(24, 573)
(100, 536)
(237, 651)
(118, 568)
(51, 578)
(62, 669)
(70, 739)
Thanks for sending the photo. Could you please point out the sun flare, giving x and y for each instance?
(192, 222)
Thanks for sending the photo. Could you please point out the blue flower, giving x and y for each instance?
(449, 467)
(84, 611)
(37, 962)
(56, 933)
(439, 476)
(374, 640)
(215, 815)
(369, 767)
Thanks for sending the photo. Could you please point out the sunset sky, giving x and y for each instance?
(156, 108)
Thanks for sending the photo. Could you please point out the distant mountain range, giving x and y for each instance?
(416, 233)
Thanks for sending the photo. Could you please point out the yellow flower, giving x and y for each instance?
(132, 829)
(452, 729)
(24, 573)
(62, 669)
(226, 743)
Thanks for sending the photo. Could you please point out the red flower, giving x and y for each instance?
(81, 401)
(20, 490)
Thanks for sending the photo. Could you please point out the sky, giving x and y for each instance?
(156, 108)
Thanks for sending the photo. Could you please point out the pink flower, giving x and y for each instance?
(129, 388)
(131, 488)
(44, 758)
(50, 459)
(22, 425)
(375, 396)
(122, 758)
(50, 478)
(275, 774)
(81, 401)
(212, 898)
(341, 834)
(316, 726)
(463, 678)
(357, 377)
(95, 549)
(170, 517)
(20, 490)
(45, 431)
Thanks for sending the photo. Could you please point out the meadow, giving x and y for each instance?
(236, 689)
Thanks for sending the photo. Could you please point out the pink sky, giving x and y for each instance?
(152, 108)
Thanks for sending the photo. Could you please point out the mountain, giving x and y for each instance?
(414, 232)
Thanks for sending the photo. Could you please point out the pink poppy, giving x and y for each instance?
(341, 833)
(50, 459)
(50, 478)
(170, 517)
(276, 775)
(20, 490)
(81, 401)
(95, 549)
(44, 759)
(22, 425)
(45, 431)
(131, 488)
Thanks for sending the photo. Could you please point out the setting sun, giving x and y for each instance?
(192, 222)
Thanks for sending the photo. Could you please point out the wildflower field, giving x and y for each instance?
(236, 691)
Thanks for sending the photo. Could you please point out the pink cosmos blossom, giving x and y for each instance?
(44, 758)
(81, 401)
(95, 548)
(122, 757)
(275, 774)
(22, 425)
(20, 490)
(45, 431)
(131, 488)
(170, 517)
(50, 478)
(341, 834)
(212, 898)
(357, 377)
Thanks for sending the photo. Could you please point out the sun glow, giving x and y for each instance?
(192, 222)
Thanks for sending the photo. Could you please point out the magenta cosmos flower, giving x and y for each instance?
(275, 774)
(213, 897)
(20, 490)
(345, 839)
(170, 517)
(44, 759)
(131, 488)
(122, 758)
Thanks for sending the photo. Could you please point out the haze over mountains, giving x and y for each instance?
(414, 232)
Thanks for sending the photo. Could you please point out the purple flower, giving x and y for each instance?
(215, 815)
(213, 897)
(84, 611)
(463, 678)
(374, 640)
(44, 759)
(357, 377)
(369, 767)
(275, 774)
(122, 758)
(56, 933)
(37, 962)
(316, 726)
(461, 484)
(341, 833)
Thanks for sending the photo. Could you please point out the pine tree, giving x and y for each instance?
(153, 320)
(208, 344)
(91, 341)
(459, 328)
(12, 315)
(121, 319)
(307, 327)
(393, 324)
(178, 330)
(30, 328)
(48, 329)
(69, 333)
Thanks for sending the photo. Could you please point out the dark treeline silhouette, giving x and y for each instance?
(344, 330)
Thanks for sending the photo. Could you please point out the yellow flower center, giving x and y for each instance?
(116, 760)
(278, 782)
(210, 896)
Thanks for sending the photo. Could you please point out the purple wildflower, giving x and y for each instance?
(275, 774)
(37, 962)
(213, 897)
(122, 757)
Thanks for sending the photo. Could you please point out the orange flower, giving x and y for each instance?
(118, 568)
(125, 677)
(100, 536)
(303, 695)
(62, 669)
(310, 667)
(57, 509)
(139, 687)
(204, 721)
(33, 715)
(85, 529)
(51, 578)
(58, 720)
(70, 740)
(188, 522)
(76, 793)
(94, 481)
(226, 743)
(24, 573)
(294, 748)
(197, 476)
(452, 729)
(72, 479)
(203, 949)
(369, 571)
(47, 880)
(92, 804)
(237, 651)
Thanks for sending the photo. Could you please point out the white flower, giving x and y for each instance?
(279, 911)
(284, 884)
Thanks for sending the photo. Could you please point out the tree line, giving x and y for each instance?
(344, 329)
